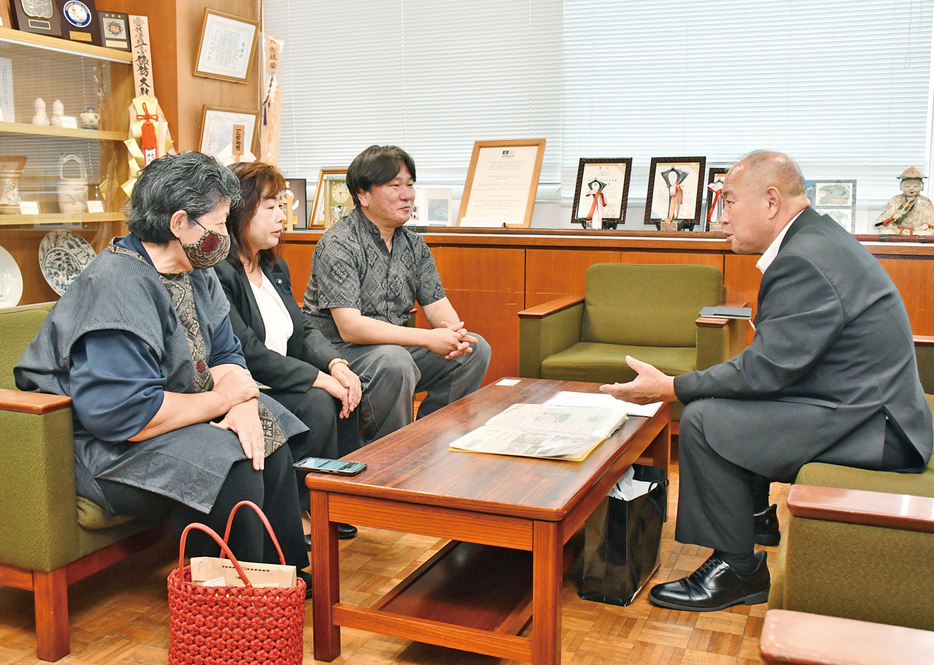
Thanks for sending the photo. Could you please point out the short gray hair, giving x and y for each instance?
(771, 167)
(189, 181)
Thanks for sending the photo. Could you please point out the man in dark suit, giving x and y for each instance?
(830, 376)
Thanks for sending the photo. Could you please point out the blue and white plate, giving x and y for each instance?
(63, 255)
(11, 280)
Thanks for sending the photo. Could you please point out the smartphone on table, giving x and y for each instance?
(324, 465)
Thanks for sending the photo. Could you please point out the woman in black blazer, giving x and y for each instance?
(299, 369)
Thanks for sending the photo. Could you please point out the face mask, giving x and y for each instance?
(209, 250)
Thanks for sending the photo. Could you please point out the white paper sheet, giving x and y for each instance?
(568, 398)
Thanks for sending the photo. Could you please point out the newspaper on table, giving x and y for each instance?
(540, 430)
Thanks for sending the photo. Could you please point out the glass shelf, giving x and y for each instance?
(59, 218)
(64, 46)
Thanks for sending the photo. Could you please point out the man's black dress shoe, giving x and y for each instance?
(714, 586)
(344, 531)
(765, 525)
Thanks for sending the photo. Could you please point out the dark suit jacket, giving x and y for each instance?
(832, 337)
(307, 349)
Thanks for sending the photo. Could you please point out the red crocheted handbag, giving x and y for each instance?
(233, 624)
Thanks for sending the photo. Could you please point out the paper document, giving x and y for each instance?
(567, 398)
(537, 430)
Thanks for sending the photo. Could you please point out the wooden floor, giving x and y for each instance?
(121, 616)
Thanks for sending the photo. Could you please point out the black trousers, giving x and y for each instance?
(328, 435)
(717, 498)
(273, 489)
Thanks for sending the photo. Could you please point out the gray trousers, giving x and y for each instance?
(716, 495)
(392, 374)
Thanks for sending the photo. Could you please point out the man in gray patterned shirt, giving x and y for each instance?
(366, 275)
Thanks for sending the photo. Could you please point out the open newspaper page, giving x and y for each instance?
(536, 430)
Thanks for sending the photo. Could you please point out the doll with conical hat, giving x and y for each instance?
(909, 213)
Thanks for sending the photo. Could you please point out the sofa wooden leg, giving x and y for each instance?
(51, 595)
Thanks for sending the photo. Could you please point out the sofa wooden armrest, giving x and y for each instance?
(923, 340)
(547, 329)
(35, 403)
(891, 511)
(551, 307)
(805, 639)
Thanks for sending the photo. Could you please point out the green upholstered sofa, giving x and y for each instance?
(650, 312)
(48, 539)
(860, 544)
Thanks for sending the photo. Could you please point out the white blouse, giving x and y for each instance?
(276, 317)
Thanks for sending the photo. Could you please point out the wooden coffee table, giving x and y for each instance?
(508, 518)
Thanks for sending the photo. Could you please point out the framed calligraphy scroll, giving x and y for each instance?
(673, 202)
(501, 183)
(601, 192)
(217, 129)
(227, 46)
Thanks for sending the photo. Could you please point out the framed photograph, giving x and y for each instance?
(834, 193)
(843, 216)
(79, 21)
(501, 183)
(115, 32)
(227, 46)
(292, 202)
(601, 192)
(41, 18)
(321, 215)
(673, 201)
(217, 128)
(715, 178)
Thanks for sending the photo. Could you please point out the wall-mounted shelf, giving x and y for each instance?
(71, 218)
(64, 46)
(66, 132)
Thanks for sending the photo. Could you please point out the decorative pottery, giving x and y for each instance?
(11, 168)
(90, 119)
(11, 280)
(72, 192)
(40, 118)
(62, 257)
(58, 110)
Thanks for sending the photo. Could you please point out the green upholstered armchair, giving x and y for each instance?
(48, 538)
(860, 544)
(650, 312)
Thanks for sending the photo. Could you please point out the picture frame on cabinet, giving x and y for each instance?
(44, 20)
(6, 19)
(115, 30)
(295, 218)
(601, 183)
(836, 198)
(502, 181)
(226, 47)
(217, 128)
(321, 215)
(80, 21)
(715, 178)
(673, 200)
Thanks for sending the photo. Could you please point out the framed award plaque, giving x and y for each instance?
(79, 21)
(38, 16)
(115, 30)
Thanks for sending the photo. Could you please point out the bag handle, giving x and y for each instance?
(266, 523)
(224, 549)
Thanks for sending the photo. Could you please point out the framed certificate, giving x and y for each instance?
(217, 128)
(115, 31)
(227, 46)
(601, 192)
(501, 183)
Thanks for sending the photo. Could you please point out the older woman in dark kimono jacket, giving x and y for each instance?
(168, 423)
